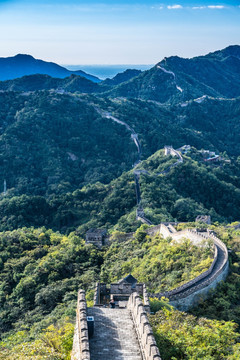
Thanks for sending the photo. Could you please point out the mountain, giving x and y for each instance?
(21, 65)
(176, 79)
(122, 77)
(220, 71)
(52, 143)
(73, 83)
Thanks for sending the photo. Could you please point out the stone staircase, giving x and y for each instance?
(114, 337)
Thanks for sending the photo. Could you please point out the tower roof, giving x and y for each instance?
(129, 279)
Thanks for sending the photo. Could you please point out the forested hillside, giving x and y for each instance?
(52, 143)
(28, 83)
(191, 189)
(177, 79)
(55, 143)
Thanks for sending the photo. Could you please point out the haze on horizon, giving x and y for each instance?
(116, 32)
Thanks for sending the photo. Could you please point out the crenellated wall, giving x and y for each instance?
(80, 350)
(143, 328)
(167, 230)
(201, 291)
(96, 299)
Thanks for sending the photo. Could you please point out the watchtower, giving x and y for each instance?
(96, 237)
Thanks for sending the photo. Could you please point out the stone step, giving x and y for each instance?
(114, 337)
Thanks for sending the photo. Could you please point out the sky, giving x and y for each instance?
(116, 32)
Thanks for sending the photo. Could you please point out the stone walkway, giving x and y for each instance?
(114, 335)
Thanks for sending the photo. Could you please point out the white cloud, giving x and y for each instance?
(208, 7)
(216, 6)
(198, 7)
(157, 7)
(173, 7)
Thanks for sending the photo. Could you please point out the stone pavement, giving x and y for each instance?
(114, 335)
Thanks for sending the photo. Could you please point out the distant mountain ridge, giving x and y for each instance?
(122, 77)
(21, 65)
(173, 80)
(176, 79)
(37, 82)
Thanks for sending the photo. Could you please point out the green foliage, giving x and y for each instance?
(52, 144)
(156, 304)
(140, 235)
(182, 336)
(68, 168)
(53, 343)
(161, 263)
(41, 271)
(215, 75)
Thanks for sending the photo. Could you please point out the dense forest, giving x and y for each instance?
(52, 143)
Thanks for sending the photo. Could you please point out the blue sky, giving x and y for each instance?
(116, 32)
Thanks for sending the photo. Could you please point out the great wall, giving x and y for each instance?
(124, 332)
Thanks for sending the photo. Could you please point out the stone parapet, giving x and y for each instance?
(146, 299)
(81, 349)
(143, 328)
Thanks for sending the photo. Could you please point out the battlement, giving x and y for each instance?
(143, 328)
(80, 350)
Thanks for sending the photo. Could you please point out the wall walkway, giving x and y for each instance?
(121, 333)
